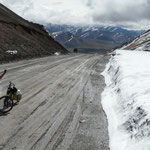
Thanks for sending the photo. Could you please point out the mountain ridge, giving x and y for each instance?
(21, 39)
(93, 37)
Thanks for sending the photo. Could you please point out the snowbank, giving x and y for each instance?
(12, 52)
(57, 53)
(126, 100)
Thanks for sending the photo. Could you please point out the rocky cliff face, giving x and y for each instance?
(22, 39)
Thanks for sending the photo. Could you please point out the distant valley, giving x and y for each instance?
(91, 38)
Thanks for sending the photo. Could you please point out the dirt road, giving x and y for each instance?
(61, 106)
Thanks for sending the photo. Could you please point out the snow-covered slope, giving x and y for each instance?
(140, 43)
(126, 100)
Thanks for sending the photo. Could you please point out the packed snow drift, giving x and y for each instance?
(126, 100)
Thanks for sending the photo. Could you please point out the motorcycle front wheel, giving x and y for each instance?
(6, 104)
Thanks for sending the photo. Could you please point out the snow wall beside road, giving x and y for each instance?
(126, 100)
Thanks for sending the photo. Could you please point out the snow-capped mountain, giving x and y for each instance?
(94, 37)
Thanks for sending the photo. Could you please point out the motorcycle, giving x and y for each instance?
(13, 96)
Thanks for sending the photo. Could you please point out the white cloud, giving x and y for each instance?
(131, 13)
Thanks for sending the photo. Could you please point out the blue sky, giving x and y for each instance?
(134, 14)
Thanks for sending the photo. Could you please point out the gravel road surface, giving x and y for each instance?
(61, 106)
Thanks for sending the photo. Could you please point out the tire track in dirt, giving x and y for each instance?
(40, 89)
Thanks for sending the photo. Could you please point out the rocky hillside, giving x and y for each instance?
(20, 38)
(91, 37)
(140, 43)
